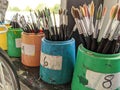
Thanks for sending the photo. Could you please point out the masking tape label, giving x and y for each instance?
(51, 62)
(28, 49)
(100, 81)
(18, 42)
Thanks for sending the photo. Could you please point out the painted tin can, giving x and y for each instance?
(31, 46)
(57, 61)
(3, 36)
(94, 71)
(14, 42)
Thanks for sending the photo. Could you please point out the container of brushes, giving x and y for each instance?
(3, 37)
(57, 61)
(31, 46)
(14, 42)
(95, 71)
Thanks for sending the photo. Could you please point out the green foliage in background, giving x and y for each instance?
(40, 7)
(14, 9)
(55, 8)
(28, 8)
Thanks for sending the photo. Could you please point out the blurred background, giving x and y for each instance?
(24, 6)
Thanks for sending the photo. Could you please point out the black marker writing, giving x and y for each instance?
(45, 62)
(108, 83)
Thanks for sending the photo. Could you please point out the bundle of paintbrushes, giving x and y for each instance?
(31, 25)
(50, 28)
(14, 22)
(89, 31)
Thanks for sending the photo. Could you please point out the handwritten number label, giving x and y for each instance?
(101, 81)
(28, 49)
(51, 62)
(45, 62)
(108, 81)
(18, 42)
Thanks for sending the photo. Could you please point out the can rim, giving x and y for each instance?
(33, 34)
(58, 42)
(14, 29)
(83, 49)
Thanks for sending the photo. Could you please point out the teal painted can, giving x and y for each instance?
(14, 42)
(57, 61)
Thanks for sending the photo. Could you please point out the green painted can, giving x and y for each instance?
(14, 42)
(95, 71)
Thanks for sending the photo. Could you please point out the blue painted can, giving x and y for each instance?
(57, 61)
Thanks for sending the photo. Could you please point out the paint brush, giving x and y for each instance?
(61, 32)
(108, 28)
(45, 26)
(83, 13)
(34, 26)
(65, 24)
(64, 32)
(15, 22)
(102, 18)
(38, 23)
(117, 48)
(81, 22)
(76, 17)
(55, 27)
(30, 25)
(40, 16)
(95, 33)
(86, 20)
(91, 25)
(73, 30)
(50, 23)
(101, 23)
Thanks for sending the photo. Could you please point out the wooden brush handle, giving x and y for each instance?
(94, 44)
(107, 47)
(101, 45)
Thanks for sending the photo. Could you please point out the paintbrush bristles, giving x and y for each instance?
(76, 13)
(99, 12)
(92, 9)
(113, 11)
(85, 10)
(82, 11)
(104, 11)
(60, 11)
(116, 10)
(72, 11)
(84, 22)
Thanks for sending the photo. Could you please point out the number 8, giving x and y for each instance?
(108, 79)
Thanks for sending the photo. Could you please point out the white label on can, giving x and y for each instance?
(18, 42)
(28, 49)
(100, 81)
(51, 62)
